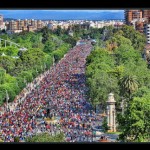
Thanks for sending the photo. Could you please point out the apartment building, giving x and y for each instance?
(147, 32)
(146, 15)
(1, 20)
(23, 25)
(131, 15)
(2, 24)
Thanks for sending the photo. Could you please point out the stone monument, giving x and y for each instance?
(111, 113)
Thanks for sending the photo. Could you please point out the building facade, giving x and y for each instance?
(147, 32)
(1, 20)
(146, 15)
(15, 26)
(140, 20)
(2, 25)
(132, 15)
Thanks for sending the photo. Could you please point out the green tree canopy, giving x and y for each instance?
(135, 124)
(46, 137)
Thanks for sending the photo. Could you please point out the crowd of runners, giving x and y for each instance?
(61, 94)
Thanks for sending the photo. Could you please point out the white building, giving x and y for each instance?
(147, 32)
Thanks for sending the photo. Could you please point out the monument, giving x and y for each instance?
(111, 113)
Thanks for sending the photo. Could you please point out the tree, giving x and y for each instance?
(128, 85)
(45, 34)
(125, 53)
(11, 91)
(32, 57)
(3, 31)
(105, 125)
(117, 71)
(27, 75)
(116, 41)
(2, 75)
(58, 31)
(49, 47)
(70, 40)
(99, 79)
(135, 124)
(11, 51)
(8, 63)
(108, 32)
(46, 137)
(138, 39)
(16, 139)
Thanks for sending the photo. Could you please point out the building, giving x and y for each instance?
(140, 20)
(85, 25)
(146, 15)
(23, 25)
(50, 26)
(20, 24)
(1, 20)
(147, 32)
(2, 24)
(30, 28)
(146, 54)
(131, 15)
(139, 26)
(12, 26)
(70, 32)
(39, 24)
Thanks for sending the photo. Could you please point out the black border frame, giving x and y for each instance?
(76, 4)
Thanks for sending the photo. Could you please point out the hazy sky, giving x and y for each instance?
(57, 13)
(66, 10)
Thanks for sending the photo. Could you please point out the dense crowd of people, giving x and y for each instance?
(61, 93)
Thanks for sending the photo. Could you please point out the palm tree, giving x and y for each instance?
(128, 85)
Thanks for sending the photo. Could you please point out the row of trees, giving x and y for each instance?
(15, 73)
(119, 68)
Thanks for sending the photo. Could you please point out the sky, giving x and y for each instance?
(58, 14)
(65, 10)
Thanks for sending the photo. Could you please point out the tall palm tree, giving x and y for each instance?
(128, 85)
